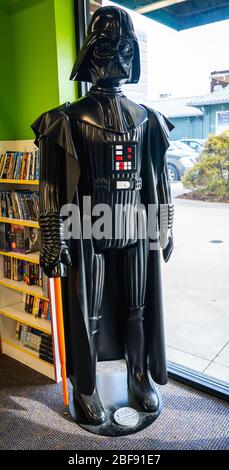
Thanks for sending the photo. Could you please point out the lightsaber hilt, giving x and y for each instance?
(60, 336)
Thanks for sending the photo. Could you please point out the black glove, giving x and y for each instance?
(54, 255)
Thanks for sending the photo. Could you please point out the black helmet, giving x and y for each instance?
(110, 50)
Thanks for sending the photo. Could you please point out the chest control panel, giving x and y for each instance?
(121, 168)
(123, 157)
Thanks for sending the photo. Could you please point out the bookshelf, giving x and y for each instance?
(30, 257)
(24, 223)
(21, 286)
(16, 312)
(23, 182)
(13, 293)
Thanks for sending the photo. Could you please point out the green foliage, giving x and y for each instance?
(210, 174)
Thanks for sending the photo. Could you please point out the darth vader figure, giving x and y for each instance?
(110, 149)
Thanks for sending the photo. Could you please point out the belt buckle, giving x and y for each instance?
(123, 184)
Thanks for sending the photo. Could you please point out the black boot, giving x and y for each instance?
(138, 381)
(91, 404)
(92, 407)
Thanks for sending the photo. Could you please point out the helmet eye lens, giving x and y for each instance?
(125, 48)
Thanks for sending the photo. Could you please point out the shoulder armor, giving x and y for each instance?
(45, 120)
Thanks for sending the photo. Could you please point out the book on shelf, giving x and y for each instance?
(19, 239)
(46, 348)
(19, 204)
(18, 270)
(24, 239)
(16, 241)
(35, 340)
(13, 269)
(4, 237)
(20, 165)
(37, 307)
(30, 273)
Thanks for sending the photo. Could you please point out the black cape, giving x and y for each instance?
(54, 127)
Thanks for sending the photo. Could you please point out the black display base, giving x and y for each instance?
(114, 394)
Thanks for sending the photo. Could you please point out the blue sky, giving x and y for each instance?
(180, 63)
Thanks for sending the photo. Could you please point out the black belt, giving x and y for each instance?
(108, 184)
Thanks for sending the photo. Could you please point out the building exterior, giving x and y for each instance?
(198, 116)
(215, 108)
(188, 120)
(219, 79)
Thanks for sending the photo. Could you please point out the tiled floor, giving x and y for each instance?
(196, 293)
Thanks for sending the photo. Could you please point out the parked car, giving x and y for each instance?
(180, 158)
(194, 144)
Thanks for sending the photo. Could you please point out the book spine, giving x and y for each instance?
(2, 159)
(17, 330)
(24, 332)
(36, 306)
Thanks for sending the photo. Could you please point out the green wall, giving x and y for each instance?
(7, 122)
(41, 44)
(32, 32)
(66, 51)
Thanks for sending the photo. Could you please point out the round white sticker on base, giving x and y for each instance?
(126, 416)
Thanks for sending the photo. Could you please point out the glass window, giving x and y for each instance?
(196, 294)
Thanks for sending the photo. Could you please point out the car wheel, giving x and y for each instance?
(173, 173)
